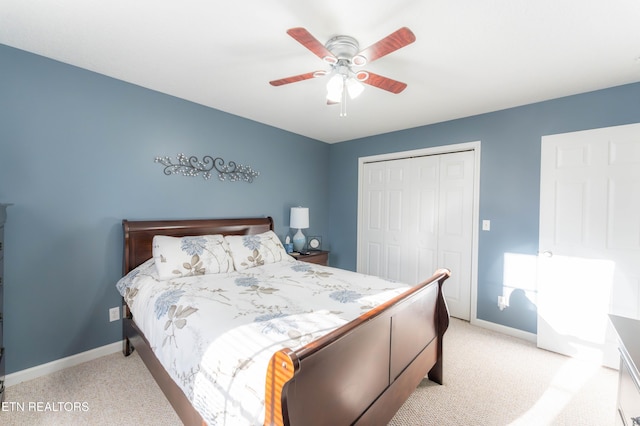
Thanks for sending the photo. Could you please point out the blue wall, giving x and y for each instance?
(76, 157)
(509, 181)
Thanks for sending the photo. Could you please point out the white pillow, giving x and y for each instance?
(255, 250)
(185, 256)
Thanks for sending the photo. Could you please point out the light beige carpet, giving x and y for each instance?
(493, 379)
(490, 379)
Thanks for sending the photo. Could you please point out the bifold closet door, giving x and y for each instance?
(417, 217)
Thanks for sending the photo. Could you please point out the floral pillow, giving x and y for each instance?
(255, 250)
(185, 256)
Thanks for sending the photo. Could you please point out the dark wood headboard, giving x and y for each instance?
(138, 234)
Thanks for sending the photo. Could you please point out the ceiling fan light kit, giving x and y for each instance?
(342, 53)
(343, 81)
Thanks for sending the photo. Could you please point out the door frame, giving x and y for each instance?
(422, 152)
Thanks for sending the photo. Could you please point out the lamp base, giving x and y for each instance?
(299, 241)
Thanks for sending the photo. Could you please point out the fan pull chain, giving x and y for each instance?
(343, 103)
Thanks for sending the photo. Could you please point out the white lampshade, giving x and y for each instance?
(354, 87)
(334, 88)
(299, 218)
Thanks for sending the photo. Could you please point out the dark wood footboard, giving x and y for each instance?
(364, 371)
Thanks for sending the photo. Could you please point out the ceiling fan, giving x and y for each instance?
(342, 53)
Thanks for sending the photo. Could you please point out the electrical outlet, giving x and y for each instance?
(502, 303)
(114, 314)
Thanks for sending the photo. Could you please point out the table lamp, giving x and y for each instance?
(299, 220)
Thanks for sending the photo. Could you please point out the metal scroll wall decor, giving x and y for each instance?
(191, 166)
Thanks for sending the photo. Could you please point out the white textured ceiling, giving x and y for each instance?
(470, 56)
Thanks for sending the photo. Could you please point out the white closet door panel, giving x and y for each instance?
(394, 211)
(456, 227)
(428, 213)
(375, 207)
(374, 219)
(424, 222)
(453, 213)
(374, 230)
(396, 173)
(375, 175)
(374, 258)
(454, 293)
(427, 263)
(393, 262)
(428, 170)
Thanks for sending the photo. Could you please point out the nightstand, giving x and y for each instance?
(319, 257)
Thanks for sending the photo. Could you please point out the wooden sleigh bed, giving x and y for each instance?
(361, 373)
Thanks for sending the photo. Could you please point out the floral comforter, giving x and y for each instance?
(215, 333)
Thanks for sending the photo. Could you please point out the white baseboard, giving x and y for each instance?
(509, 331)
(61, 364)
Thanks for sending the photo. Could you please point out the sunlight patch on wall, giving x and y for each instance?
(519, 279)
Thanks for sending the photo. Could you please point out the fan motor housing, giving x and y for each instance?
(343, 47)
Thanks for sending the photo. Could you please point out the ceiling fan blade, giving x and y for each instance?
(394, 41)
(305, 38)
(384, 83)
(296, 78)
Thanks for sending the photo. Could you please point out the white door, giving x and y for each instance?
(589, 263)
(417, 216)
